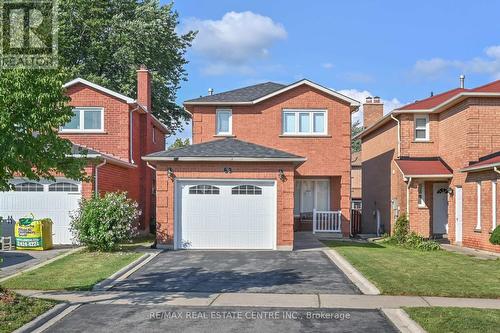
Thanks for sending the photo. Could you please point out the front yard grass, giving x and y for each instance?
(17, 310)
(77, 271)
(399, 271)
(442, 319)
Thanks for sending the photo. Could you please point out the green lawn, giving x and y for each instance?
(77, 271)
(398, 271)
(17, 310)
(443, 320)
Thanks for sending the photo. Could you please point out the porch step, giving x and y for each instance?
(329, 235)
(366, 236)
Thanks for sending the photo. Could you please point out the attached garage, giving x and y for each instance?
(222, 214)
(44, 199)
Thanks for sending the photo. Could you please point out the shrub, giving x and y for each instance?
(415, 241)
(401, 229)
(495, 236)
(101, 223)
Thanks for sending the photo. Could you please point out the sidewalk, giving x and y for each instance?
(263, 300)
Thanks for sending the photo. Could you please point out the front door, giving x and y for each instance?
(458, 215)
(440, 209)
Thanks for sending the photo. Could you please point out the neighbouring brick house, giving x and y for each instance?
(261, 155)
(436, 159)
(356, 187)
(115, 131)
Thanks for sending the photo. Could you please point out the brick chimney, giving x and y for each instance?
(373, 110)
(144, 87)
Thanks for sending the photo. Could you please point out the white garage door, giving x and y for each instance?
(226, 215)
(43, 199)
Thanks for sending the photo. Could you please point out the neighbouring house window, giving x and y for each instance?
(154, 134)
(421, 195)
(88, 119)
(421, 127)
(478, 225)
(63, 187)
(304, 122)
(204, 189)
(246, 190)
(224, 122)
(28, 187)
(493, 204)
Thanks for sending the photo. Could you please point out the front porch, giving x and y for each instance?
(317, 205)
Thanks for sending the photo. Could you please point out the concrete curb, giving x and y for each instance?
(46, 262)
(55, 319)
(42, 319)
(125, 272)
(402, 321)
(352, 273)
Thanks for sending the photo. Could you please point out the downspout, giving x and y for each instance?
(131, 131)
(496, 170)
(399, 134)
(96, 178)
(150, 166)
(408, 200)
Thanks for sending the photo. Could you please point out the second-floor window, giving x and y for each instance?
(224, 121)
(304, 122)
(422, 127)
(88, 119)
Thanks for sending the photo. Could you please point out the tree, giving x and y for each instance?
(105, 42)
(179, 143)
(356, 128)
(32, 108)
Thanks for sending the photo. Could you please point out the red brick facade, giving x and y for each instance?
(132, 176)
(459, 135)
(328, 156)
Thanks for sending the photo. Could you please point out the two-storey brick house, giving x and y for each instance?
(436, 160)
(261, 155)
(115, 131)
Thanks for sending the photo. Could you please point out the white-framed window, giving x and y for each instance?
(421, 195)
(28, 187)
(85, 119)
(478, 224)
(493, 204)
(304, 122)
(421, 127)
(63, 187)
(224, 121)
(246, 190)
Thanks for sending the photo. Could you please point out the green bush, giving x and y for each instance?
(101, 223)
(495, 236)
(415, 241)
(401, 229)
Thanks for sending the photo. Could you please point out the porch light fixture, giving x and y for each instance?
(170, 173)
(282, 175)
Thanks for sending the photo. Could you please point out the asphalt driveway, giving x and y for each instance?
(129, 318)
(240, 271)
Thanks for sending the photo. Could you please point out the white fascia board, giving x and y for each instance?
(428, 176)
(100, 88)
(223, 159)
(354, 103)
(480, 167)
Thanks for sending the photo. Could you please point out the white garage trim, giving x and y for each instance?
(214, 181)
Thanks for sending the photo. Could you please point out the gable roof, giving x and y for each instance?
(260, 92)
(437, 103)
(100, 88)
(227, 149)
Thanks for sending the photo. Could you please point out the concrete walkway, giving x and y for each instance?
(471, 252)
(263, 300)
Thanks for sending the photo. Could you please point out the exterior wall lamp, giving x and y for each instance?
(281, 174)
(170, 173)
(228, 170)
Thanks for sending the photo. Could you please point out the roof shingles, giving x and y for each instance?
(246, 94)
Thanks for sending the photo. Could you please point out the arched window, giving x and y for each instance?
(204, 189)
(247, 190)
(63, 187)
(28, 187)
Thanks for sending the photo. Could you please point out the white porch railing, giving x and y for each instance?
(326, 221)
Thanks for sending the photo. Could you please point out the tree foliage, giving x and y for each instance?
(179, 143)
(105, 42)
(356, 128)
(32, 108)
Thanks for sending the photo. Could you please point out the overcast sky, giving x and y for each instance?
(399, 50)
